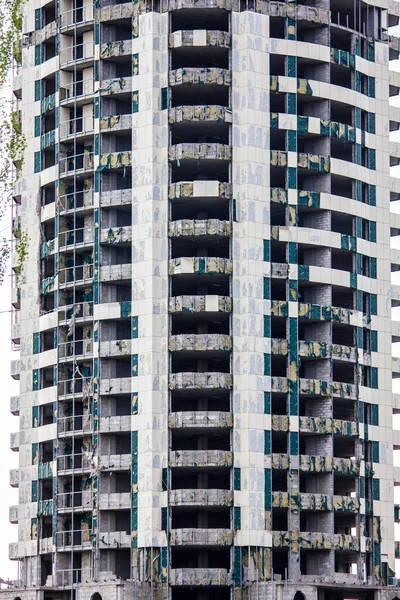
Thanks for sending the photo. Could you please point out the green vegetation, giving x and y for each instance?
(12, 140)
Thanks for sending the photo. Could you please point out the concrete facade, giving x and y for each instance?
(204, 316)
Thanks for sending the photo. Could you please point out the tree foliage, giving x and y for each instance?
(11, 13)
(12, 140)
(21, 250)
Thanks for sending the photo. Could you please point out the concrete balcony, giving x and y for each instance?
(115, 273)
(279, 270)
(114, 539)
(14, 405)
(200, 458)
(201, 537)
(315, 350)
(346, 466)
(197, 304)
(115, 424)
(200, 113)
(315, 502)
(115, 12)
(16, 297)
(319, 425)
(199, 577)
(396, 476)
(119, 385)
(48, 31)
(116, 123)
(319, 312)
(116, 198)
(325, 425)
(115, 348)
(200, 497)
(16, 333)
(13, 551)
(116, 49)
(116, 235)
(198, 381)
(299, 12)
(15, 369)
(200, 38)
(199, 228)
(115, 501)
(200, 266)
(395, 368)
(14, 478)
(46, 546)
(322, 350)
(16, 223)
(202, 419)
(13, 514)
(199, 189)
(200, 76)
(309, 162)
(203, 342)
(14, 441)
(17, 85)
(316, 540)
(316, 464)
(116, 462)
(315, 387)
(206, 4)
(117, 85)
(200, 152)
(115, 160)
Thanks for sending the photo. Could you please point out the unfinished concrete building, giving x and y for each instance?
(204, 315)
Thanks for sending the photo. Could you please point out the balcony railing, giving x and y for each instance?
(80, 273)
(75, 237)
(74, 424)
(77, 538)
(76, 17)
(80, 125)
(213, 38)
(82, 499)
(74, 462)
(69, 577)
(78, 162)
(77, 89)
(76, 200)
(81, 387)
(77, 311)
(77, 53)
(195, 304)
